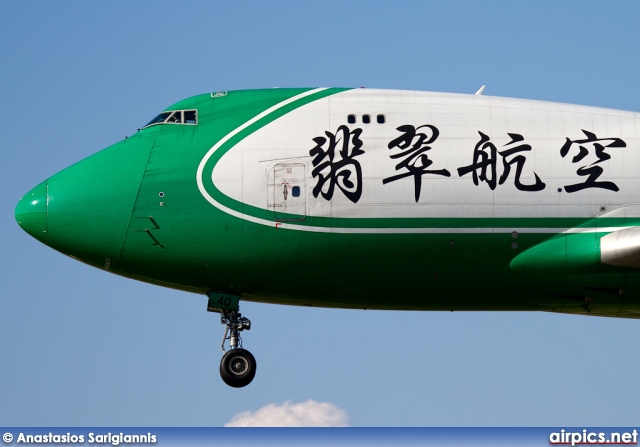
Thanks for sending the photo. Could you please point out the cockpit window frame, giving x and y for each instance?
(172, 113)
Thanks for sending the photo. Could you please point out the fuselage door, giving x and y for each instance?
(286, 192)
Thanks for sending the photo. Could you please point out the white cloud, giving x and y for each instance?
(305, 414)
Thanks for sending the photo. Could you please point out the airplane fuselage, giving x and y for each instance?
(360, 198)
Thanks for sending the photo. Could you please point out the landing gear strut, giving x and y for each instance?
(238, 366)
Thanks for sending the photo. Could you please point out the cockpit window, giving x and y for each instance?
(175, 117)
(159, 119)
(190, 117)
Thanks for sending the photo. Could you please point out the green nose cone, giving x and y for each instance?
(31, 212)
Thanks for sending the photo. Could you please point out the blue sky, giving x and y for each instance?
(82, 347)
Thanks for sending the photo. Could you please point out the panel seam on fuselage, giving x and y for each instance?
(133, 208)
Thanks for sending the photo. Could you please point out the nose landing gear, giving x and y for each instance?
(238, 366)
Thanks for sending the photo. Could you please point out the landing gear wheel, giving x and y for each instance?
(237, 367)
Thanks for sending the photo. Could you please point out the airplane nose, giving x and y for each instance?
(31, 212)
(84, 211)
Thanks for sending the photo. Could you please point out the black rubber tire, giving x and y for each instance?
(237, 367)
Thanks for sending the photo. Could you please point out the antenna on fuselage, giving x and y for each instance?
(480, 90)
